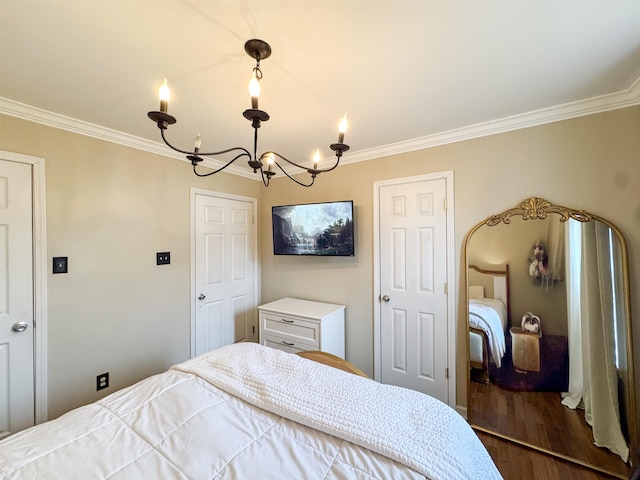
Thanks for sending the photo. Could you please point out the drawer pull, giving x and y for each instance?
(288, 344)
(286, 320)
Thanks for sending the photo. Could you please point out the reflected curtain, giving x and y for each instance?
(573, 397)
(592, 309)
(556, 244)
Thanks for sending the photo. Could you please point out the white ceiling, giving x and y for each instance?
(410, 73)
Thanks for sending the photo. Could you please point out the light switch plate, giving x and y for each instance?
(163, 258)
(59, 265)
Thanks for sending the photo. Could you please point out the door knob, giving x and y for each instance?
(19, 327)
(202, 296)
(385, 298)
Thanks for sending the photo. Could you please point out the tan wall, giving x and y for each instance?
(110, 209)
(591, 163)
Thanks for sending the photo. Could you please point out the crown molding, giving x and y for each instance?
(62, 122)
(590, 106)
(581, 108)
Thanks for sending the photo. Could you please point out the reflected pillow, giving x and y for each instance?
(476, 291)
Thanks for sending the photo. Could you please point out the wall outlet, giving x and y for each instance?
(102, 381)
(163, 258)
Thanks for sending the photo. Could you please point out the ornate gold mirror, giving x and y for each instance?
(549, 342)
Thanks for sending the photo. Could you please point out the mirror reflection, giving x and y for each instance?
(549, 346)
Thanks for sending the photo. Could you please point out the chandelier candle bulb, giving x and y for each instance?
(342, 128)
(254, 90)
(164, 93)
(197, 142)
(316, 159)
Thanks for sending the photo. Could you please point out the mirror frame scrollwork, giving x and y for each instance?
(536, 208)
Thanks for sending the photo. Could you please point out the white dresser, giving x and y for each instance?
(294, 325)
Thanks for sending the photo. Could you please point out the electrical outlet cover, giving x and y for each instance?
(102, 381)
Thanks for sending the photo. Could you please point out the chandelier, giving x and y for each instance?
(265, 162)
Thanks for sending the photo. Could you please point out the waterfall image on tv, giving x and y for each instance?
(313, 229)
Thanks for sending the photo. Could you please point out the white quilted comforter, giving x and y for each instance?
(248, 411)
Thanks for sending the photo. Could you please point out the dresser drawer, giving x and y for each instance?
(290, 328)
(286, 345)
(293, 325)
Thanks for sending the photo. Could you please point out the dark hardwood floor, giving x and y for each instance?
(537, 418)
(518, 463)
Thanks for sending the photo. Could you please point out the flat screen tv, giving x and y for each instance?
(323, 229)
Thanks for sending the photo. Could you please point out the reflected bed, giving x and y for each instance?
(488, 317)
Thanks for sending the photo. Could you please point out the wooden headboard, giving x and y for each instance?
(495, 283)
(332, 361)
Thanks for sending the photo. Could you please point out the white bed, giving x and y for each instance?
(249, 411)
(488, 297)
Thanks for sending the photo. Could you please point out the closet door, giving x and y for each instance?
(225, 271)
(414, 317)
(16, 298)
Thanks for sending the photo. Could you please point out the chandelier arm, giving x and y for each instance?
(208, 154)
(285, 159)
(245, 153)
(313, 177)
(222, 152)
(310, 170)
(323, 170)
(265, 178)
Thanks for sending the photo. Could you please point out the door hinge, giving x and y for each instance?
(446, 373)
(253, 219)
(445, 203)
(446, 288)
(254, 328)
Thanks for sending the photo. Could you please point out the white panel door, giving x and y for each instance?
(16, 298)
(225, 272)
(413, 277)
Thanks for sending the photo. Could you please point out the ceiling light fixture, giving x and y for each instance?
(259, 50)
